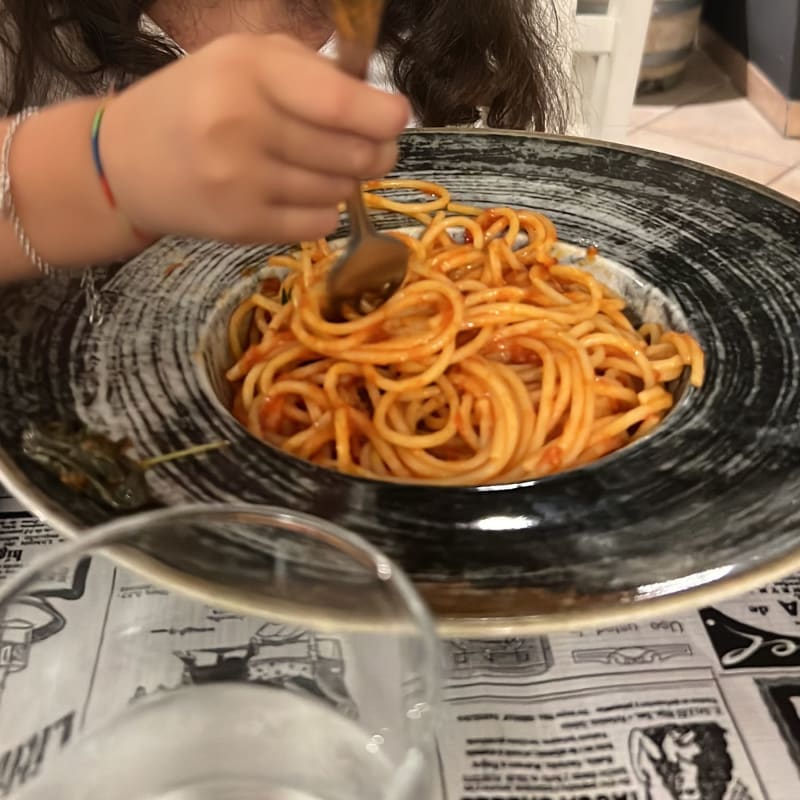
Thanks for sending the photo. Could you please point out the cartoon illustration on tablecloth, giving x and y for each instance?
(473, 658)
(279, 656)
(742, 646)
(633, 655)
(782, 698)
(31, 619)
(685, 762)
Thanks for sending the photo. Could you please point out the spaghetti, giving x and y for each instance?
(494, 363)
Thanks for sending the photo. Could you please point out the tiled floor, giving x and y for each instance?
(705, 119)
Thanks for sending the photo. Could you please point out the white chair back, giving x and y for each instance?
(608, 40)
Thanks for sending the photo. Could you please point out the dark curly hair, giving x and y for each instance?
(452, 58)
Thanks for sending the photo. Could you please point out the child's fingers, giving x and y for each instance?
(301, 144)
(311, 87)
(296, 186)
(285, 224)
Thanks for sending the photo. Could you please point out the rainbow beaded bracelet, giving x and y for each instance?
(101, 173)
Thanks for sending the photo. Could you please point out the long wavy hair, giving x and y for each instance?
(455, 59)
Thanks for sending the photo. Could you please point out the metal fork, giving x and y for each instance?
(373, 266)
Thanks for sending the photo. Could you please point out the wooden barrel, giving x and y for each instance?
(592, 6)
(670, 40)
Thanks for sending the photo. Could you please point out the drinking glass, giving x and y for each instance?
(219, 653)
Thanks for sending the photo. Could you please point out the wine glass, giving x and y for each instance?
(239, 653)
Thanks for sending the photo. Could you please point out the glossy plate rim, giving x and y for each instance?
(583, 612)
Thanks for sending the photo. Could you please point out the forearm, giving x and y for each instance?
(58, 196)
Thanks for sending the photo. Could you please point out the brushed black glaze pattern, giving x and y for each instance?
(714, 490)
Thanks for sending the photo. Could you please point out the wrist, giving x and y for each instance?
(100, 170)
(57, 194)
(124, 147)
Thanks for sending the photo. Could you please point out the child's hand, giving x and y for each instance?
(252, 139)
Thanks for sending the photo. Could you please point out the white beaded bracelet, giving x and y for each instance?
(7, 198)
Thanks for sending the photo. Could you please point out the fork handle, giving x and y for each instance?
(360, 223)
(354, 57)
(357, 26)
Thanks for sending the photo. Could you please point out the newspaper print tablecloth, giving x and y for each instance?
(702, 706)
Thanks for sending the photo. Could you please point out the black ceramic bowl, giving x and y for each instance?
(710, 502)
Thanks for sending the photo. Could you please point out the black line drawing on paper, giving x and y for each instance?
(278, 656)
(741, 646)
(31, 619)
(474, 658)
(631, 656)
(684, 762)
(23, 762)
(141, 590)
(182, 631)
(215, 615)
(8, 554)
(782, 698)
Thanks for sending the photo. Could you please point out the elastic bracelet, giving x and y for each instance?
(7, 196)
(101, 173)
